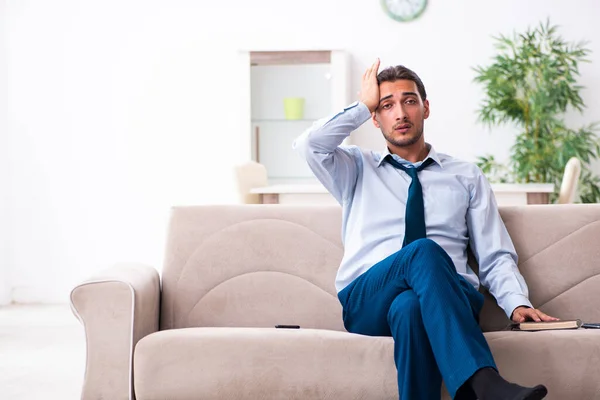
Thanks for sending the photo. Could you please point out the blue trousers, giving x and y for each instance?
(417, 297)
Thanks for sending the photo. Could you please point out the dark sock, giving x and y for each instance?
(489, 385)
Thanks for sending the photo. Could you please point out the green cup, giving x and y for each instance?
(293, 107)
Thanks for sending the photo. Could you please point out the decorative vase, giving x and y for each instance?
(293, 107)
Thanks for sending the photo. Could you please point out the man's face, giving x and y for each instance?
(401, 113)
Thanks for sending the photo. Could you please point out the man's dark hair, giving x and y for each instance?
(392, 74)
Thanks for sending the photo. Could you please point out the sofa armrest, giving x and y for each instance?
(117, 308)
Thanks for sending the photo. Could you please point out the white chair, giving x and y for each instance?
(568, 187)
(250, 175)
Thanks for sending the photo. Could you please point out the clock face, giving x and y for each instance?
(404, 10)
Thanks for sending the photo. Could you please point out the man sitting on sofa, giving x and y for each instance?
(408, 215)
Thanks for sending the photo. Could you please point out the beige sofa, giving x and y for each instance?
(233, 272)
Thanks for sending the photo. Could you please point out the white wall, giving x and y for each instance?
(120, 109)
(4, 165)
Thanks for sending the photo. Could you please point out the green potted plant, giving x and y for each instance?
(532, 83)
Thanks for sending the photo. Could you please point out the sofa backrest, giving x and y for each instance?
(262, 265)
(559, 257)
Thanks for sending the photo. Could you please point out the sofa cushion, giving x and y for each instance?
(252, 266)
(260, 265)
(263, 363)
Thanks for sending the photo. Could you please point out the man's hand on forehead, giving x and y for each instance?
(369, 89)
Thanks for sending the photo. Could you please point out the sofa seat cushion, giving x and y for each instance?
(566, 361)
(264, 363)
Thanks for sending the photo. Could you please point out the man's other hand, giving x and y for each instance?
(522, 314)
(369, 89)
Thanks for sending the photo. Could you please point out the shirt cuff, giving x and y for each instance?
(512, 302)
(358, 111)
(362, 113)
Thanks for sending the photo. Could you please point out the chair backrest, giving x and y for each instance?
(568, 187)
(262, 265)
(248, 176)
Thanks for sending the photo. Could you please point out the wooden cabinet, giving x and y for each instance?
(320, 78)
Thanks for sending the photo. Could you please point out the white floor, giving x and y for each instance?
(42, 353)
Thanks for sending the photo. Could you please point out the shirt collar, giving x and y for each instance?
(432, 154)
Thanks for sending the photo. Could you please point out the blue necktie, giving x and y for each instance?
(414, 218)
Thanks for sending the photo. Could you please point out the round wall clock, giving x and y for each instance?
(404, 10)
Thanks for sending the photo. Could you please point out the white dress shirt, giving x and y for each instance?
(460, 208)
